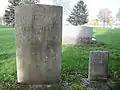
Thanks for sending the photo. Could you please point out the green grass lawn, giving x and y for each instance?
(108, 36)
(74, 60)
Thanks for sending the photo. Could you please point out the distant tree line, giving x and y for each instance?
(78, 16)
(105, 16)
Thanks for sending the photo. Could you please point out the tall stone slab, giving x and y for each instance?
(38, 43)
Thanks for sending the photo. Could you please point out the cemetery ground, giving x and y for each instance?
(74, 60)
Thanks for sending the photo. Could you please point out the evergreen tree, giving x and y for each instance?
(79, 15)
(9, 12)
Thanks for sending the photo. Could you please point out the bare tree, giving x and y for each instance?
(105, 16)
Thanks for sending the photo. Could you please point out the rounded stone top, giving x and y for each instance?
(29, 1)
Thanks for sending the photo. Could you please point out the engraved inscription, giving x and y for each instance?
(31, 35)
(98, 58)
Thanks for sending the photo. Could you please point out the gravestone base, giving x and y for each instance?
(39, 87)
(78, 41)
(84, 40)
(96, 85)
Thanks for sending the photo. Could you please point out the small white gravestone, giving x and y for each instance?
(77, 34)
(84, 35)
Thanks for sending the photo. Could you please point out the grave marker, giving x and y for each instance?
(97, 71)
(38, 43)
(98, 65)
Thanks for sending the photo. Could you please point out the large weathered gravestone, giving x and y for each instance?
(98, 69)
(38, 43)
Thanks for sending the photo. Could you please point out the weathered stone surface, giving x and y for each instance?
(98, 71)
(77, 35)
(98, 66)
(38, 43)
(84, 40)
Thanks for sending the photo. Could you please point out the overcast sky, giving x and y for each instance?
(93, 5)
